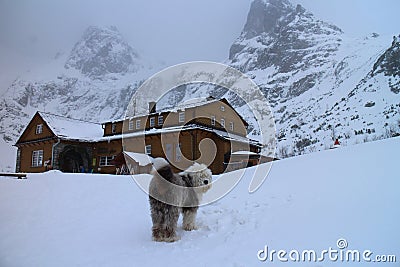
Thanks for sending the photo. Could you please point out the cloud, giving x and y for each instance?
(174, 30)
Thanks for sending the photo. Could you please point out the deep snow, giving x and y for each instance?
(307, 202)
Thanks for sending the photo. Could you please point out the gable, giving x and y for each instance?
(221, 110)
(234, 110)
(30, 134)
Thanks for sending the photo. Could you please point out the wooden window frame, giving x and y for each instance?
(37, 158)
(39, 129)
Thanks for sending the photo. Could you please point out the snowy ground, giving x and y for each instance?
(307, 203)
(7, 156)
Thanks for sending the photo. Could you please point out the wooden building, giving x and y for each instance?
(206, 130)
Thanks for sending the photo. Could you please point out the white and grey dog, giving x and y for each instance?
(170, 194)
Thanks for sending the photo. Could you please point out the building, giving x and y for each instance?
(179, 134)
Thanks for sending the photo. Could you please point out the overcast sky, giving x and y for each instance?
(170, 30)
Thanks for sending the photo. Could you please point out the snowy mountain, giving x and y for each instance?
(64, 219)
(321, 83)
(102, 51)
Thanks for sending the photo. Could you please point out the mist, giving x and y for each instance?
(172, 31)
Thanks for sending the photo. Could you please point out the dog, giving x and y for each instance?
(171, 194)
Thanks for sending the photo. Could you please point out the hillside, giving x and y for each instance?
(321, 83)
(307, 203)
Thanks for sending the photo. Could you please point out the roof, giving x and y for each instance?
(247, 153)
(140, 158)
(72, 129)
(191, 103)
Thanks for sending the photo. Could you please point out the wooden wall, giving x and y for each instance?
(29, 133)
(201, 114)
(26, 155)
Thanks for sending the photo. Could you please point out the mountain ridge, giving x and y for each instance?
(309, 70)
(321, 84)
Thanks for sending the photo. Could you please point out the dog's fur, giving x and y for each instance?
(170, 194)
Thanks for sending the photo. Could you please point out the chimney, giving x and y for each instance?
(152, 107)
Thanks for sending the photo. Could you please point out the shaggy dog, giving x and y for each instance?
(170, 194)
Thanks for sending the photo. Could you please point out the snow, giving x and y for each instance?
(307, 202)
(244, 153)
(7, 156)
(191, 103)
(141, 159)
(71, 128)
(159, 163)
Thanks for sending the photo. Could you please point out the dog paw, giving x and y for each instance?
(158, 239)
(190, 227)
(172, 239)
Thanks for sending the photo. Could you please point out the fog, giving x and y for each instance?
(173, 31)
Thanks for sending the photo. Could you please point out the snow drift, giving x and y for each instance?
(307, 202)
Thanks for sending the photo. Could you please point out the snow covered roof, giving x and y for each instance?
(72, 129)
(141, 159)
(244, 153)
(191, 103)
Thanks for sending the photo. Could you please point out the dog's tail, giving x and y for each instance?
(163, 169)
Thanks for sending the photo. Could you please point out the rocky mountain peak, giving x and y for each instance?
(388, 64)
(277, 26)
(285, 39)
(102, 51)
(264, 16)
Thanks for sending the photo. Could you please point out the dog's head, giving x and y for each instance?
(198, 176)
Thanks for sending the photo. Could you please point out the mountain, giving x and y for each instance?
(102, 51)
(283, 42)
(321, 83)
(94, 82)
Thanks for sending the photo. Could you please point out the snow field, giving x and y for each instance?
(307, 202)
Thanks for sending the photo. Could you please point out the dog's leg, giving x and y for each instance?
(157, 233)
(158, 219)
(171, 222)
(189, 218)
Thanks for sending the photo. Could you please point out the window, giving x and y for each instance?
(106, 161)
(181, 116)
(152, 122)
(213, 120)
(130, 127)
(223, 122)
(148, 149)
(160, 120)
(222, 108)
(37, 158)
(39, 128)
(231, 125)
(178, 153)
(137, 124)
(113, 128)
